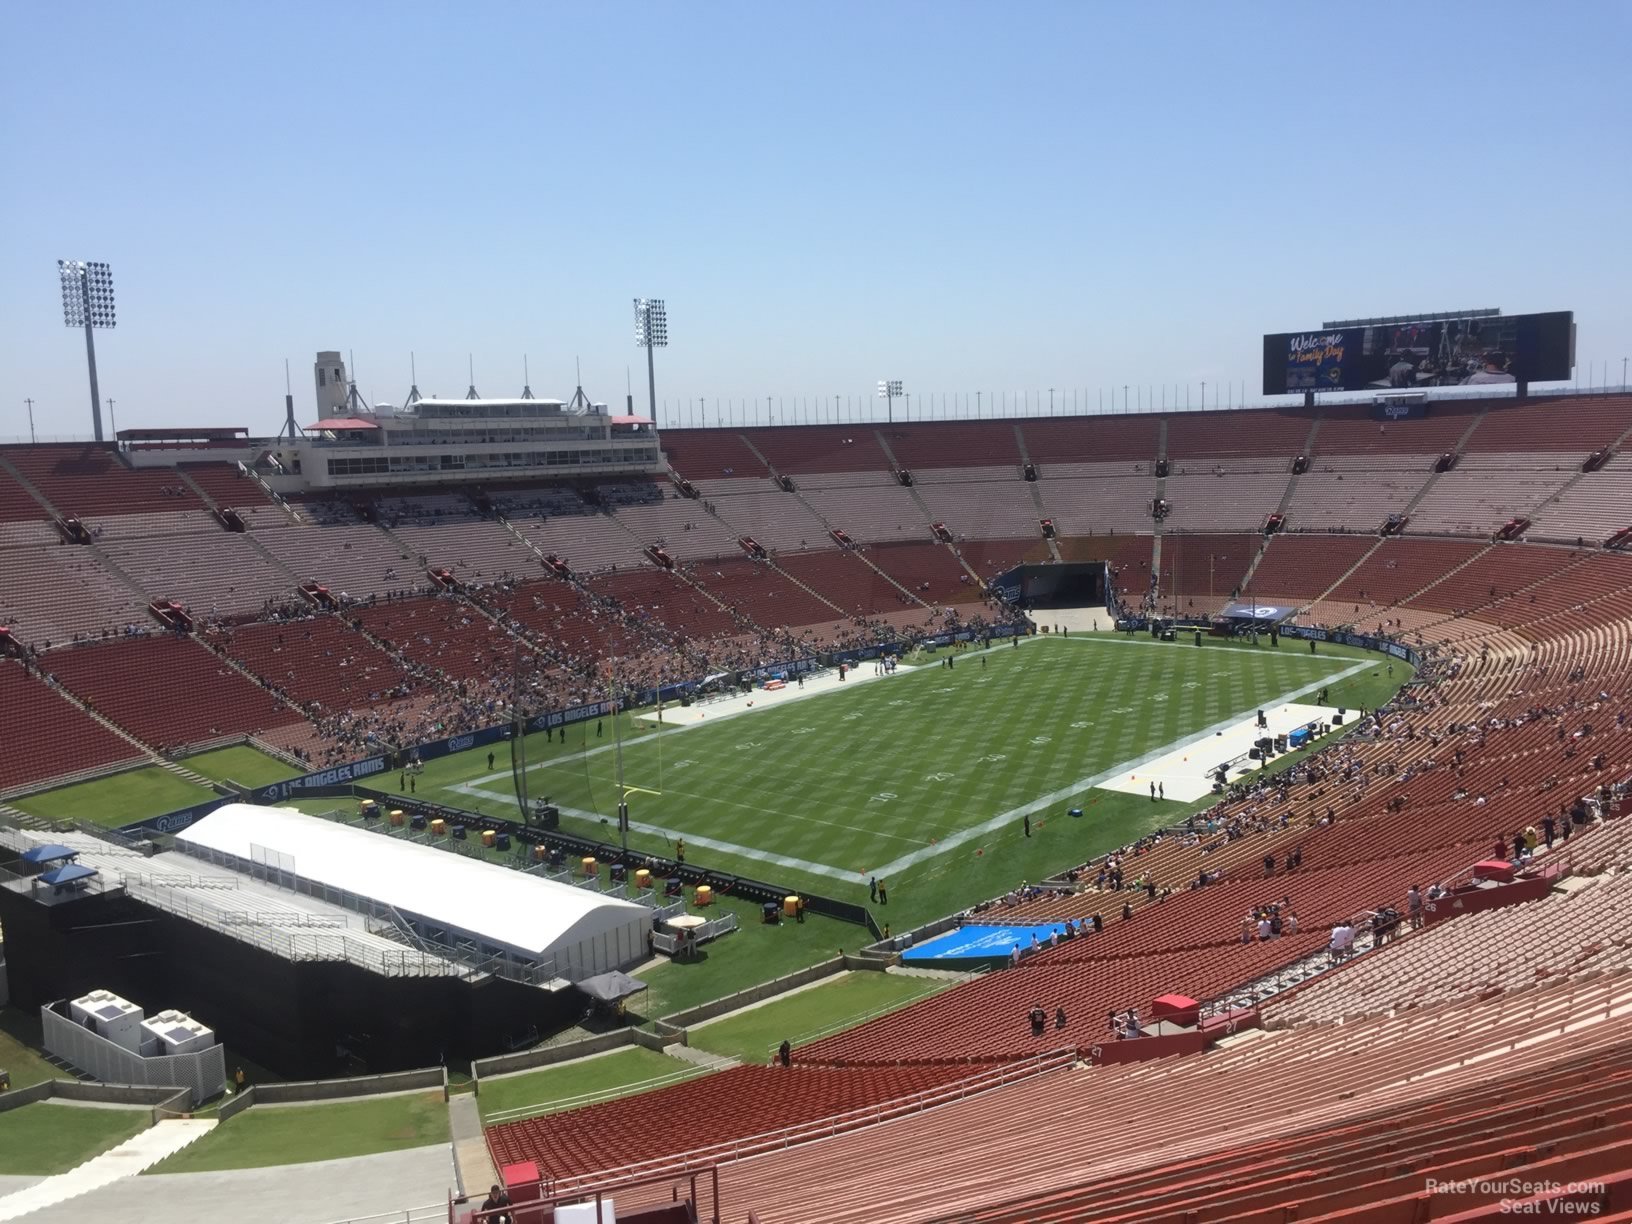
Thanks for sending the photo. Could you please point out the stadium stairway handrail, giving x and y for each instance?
(405, 1215)
(985, 1080)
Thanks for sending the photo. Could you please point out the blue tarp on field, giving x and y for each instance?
(980, 943)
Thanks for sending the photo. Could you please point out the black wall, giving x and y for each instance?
(290, 1016)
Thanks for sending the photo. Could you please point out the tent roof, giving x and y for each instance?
(610, 987)
(49, 853)
(68, 874)
(339, 423)
(1250, 610)
(497, 905)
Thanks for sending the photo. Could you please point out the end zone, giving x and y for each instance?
(1185, 774)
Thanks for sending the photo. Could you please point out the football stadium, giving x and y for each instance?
(905, 779)
(988, 807)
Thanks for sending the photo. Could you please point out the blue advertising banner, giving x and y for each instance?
(1365, 642)
(1399, 410)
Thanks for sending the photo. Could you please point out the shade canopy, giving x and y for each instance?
(610, 987)
(68, 874)
(48, 854)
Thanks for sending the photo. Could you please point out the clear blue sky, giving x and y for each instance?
(992, 196)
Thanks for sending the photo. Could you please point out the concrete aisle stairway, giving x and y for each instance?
(126, 1160)
(1036, 493)
(472, 1162)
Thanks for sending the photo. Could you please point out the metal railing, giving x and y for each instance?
(437, 1212)
(429, 957)
(664, 941)
(522, 1112)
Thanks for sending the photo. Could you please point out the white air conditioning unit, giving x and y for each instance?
(176, 1033)
(107, 1015)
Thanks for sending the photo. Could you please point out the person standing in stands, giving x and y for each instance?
(496, 1198)
(784, 1053)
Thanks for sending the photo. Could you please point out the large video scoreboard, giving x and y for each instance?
(1442, 352)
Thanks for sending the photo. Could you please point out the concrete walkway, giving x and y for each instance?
(702, 1058)
(471, 1159)
(939, 975)
(319, 1192)
(115, 1164)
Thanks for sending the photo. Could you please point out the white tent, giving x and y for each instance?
(583, 931)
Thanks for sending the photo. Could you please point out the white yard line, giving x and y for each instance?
(710, 843)
(817, 689)
(952, 840)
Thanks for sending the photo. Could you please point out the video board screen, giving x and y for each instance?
(1401, 356)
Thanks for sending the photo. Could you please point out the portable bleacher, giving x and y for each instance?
(107, 1015)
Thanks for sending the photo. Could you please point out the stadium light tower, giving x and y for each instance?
(87, 301)
(889, 389)
(651, 332)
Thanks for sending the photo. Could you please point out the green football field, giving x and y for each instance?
(118, 799)
(922, 779)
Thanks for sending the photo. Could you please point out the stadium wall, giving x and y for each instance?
(164, 1102)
